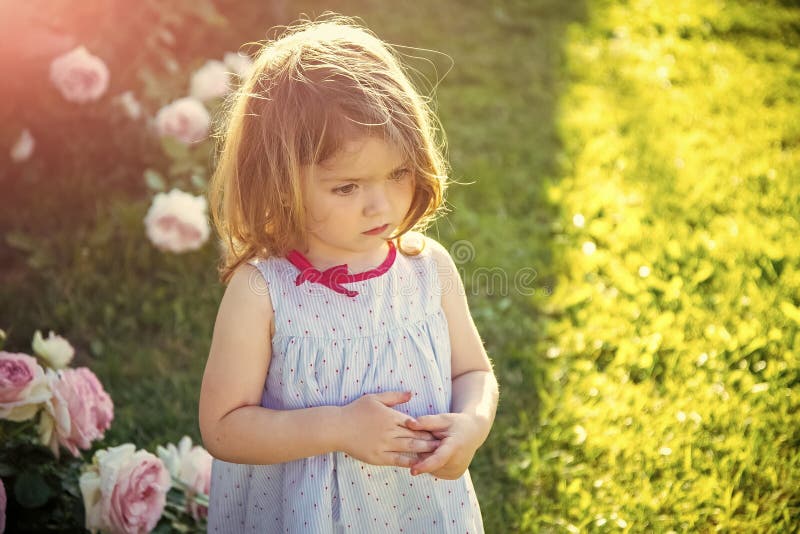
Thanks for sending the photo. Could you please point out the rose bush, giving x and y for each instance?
(123, 490)
(136, 116)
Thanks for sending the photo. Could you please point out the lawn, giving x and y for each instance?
(625, 224)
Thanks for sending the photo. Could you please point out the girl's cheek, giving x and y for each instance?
(318, 211)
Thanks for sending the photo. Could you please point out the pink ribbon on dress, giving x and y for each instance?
(329, 277)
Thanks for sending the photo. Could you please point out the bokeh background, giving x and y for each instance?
(639, 157)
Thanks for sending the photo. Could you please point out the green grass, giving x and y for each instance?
(650, 386)
(673, 373)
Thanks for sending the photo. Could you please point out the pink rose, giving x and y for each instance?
(177, 222)
(2, 507)
(23, 386)
(79, 412)
(79, 76)
(210, 81)
(192, 467)
(124, 490)
(186, 119)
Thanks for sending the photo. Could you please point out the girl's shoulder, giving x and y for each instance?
(434, 258)
(418, 245)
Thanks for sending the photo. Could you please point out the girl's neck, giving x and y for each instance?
(323, 257)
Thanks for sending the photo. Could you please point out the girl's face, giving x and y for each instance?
(356, 199)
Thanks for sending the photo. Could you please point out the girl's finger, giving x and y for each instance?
(401, 460)
(423, 456)
(393, 398)
(416, 446)
(423, 445)
(429, 422)
(404, 432)
(433, 462)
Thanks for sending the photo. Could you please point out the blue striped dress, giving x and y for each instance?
(389, 333)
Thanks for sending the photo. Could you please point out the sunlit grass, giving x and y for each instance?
(672, 400)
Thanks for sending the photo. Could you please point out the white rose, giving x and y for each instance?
(131, 106)
(55, 350)
(191, 466)
(173, 456)
(210, 81)
(186, 463)
(23, 148)
(177, 222)
(185, 119)
(79, 76)
(196, 469)
(238, 63)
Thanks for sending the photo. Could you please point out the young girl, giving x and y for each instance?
(346, 388)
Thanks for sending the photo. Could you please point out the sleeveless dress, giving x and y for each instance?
(388, 333)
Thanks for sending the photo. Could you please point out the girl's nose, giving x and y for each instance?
(377, 201)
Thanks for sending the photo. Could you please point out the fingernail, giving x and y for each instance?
(412, 421)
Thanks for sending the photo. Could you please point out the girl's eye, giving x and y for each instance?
(345, 189)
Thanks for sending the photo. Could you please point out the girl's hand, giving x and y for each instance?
(374, 433)
(460, 436)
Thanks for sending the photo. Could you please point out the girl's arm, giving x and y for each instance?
(475, 389)
(235, 428)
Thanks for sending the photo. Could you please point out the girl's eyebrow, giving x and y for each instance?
(349, 179)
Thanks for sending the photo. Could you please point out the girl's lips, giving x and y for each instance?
(378, 230)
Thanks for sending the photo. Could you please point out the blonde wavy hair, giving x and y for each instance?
(315, 87)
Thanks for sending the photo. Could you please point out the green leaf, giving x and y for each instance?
(207, 12)
(7, 469)
(96, 346)
(154, 180)
(174, 148)
(31, 490)
(198, 181)
(163, 527)
(180, 167)
(21, 241)
(152, 87)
